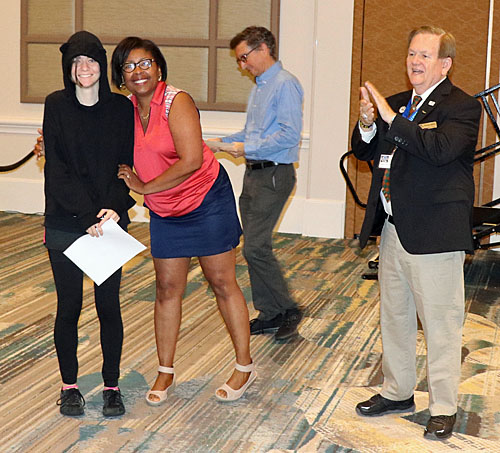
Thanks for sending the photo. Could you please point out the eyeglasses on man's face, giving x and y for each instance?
(244, 57)
(144, 64)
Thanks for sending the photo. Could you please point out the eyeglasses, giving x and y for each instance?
(143, 64)
(244, 57)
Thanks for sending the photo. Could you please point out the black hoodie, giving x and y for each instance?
(84, 146)
(85, 43)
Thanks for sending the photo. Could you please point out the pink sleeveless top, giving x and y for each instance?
(154, 152)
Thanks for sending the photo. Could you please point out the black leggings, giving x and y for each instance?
(69, 286)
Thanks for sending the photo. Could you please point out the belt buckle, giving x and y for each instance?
(255, 165)
(261, 165)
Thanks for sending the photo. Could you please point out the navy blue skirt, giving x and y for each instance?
(212, 228)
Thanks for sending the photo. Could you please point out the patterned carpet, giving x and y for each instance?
(304, 397)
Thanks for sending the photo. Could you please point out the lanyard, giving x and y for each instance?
(407, 110)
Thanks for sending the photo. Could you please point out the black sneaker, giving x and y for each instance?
(258, 326)
(289, 326)
(71, 402)
(113, 404)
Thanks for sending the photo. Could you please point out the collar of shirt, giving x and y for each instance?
(158, 95)
(269, 74)
(426, 93)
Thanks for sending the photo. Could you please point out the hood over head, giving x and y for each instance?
(85, 43)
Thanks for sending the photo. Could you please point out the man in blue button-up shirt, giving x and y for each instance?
(270, 144)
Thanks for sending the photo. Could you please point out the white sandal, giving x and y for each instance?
(162, 394)
(233, 395)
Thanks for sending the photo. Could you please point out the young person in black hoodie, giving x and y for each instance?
(88, 132)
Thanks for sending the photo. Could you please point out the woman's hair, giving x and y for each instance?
(122, 51)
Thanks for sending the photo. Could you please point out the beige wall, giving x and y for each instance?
(315, 43)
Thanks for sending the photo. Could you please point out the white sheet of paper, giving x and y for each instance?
(99, 257)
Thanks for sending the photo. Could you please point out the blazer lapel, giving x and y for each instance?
(441, 91)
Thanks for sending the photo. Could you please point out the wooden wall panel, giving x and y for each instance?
(380, 42)
(172, 19)
(196, 43)
(485, 173)
(358, 171)
(235, 15)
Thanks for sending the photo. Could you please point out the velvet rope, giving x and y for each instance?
(17, 164)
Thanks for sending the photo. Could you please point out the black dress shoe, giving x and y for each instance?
(259, 326)
(113, 403)
(378, 405)
(440, 427)
(289, 326)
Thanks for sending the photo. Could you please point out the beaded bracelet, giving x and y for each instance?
(364, 126)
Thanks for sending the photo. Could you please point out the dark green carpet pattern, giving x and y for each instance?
(304, 397)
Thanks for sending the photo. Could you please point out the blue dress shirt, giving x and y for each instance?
(274, 118)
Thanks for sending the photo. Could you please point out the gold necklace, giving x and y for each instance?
(145, 117)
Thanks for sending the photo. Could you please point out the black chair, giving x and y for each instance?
(486, 218)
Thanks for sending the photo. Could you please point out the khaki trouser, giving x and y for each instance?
(431, 285)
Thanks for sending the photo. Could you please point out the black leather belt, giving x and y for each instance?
(260, 165)
(390, 219)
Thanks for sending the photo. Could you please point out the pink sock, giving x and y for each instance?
(67, 387)
(111, 388)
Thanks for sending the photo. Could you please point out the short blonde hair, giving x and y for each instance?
(447, 43)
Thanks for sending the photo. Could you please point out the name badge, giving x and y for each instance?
(385, 161)
(431, 125)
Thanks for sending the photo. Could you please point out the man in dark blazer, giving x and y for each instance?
(422, 144)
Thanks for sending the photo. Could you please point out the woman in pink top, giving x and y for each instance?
(192, 210)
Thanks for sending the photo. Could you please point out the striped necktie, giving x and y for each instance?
(387, 173)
